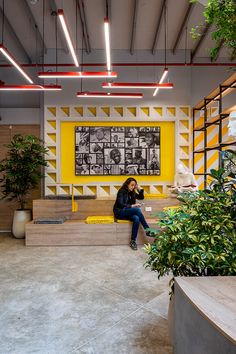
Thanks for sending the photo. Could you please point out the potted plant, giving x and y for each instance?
(221, 14)
(199, 237)
(20, 172)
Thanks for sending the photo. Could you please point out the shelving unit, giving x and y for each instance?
(207, 120)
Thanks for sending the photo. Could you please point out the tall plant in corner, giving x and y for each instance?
(222, 15)
(20, 171)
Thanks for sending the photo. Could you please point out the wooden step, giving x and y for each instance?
(78, 233)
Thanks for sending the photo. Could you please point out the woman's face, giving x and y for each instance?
(131, 186)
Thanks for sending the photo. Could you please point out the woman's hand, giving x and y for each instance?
(137, 205)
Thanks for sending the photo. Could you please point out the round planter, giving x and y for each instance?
(21, 217)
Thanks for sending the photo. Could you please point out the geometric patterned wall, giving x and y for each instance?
(212, 133)
(54, 115)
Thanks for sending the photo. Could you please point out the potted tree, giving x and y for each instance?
(199, 237)
(20, 172)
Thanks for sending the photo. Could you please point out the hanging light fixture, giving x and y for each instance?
(77, 74)
(67, 35)
(7, 54)
(107, 43)
(30, 88)
(143, 85)
(108, 59)
(165, 72)
(10, 58)
(108, 94)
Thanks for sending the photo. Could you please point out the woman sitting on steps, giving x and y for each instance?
(126, 208)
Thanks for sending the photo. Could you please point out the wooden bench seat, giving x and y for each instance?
(78, 233)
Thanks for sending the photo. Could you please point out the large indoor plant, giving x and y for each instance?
(199, 237)
(222, 15)
(20, 172)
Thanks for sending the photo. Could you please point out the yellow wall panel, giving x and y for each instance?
(167, 158)
(93, 110)
(93, 189)
(106, 110)
(66, 189)
(119, 110)
(172, 111)
(66, 110)
(52, 163)
(159, 110)
(52, 175)
(185, 110)
(145, 110)
(52, 149)
(53, 189)
(132, 110)
(53, 123)
(53, 110)
(107, 189)
(80, 110)
(52, 136)
(79, 189)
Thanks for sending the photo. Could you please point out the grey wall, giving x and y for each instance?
(20, 115)
(206, 79)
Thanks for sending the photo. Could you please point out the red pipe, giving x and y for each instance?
(124, 64)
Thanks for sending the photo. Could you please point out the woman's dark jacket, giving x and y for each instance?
(125, 199)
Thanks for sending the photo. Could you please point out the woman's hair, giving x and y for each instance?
(127, 182)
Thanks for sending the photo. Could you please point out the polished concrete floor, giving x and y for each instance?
(98, 300)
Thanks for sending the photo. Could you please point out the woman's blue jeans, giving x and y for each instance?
(135, 215)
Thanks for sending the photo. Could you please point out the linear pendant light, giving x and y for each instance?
(30, 88)
(108, 94)
(77, 74)
(67, 35)
(165, 72)
(143, 85)
(6, 53)
(107, 43)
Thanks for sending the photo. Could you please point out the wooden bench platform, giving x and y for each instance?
(78, 233)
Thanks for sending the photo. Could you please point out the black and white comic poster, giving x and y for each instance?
(117, 150)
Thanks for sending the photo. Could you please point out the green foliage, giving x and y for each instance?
(21, 169)
(198, 238)
(221, 14)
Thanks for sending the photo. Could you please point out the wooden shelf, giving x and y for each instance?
(230, 81)
(212, 147)
(216, 146)
(216, 119)
(229, 142)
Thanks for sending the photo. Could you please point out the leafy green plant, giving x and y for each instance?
(221, 14)
(199, 237)
(21, 169)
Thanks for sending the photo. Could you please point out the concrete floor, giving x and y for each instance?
(98, 300)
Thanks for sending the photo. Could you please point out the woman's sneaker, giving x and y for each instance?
(151, 233)
(133, 245)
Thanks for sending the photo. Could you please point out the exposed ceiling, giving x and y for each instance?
(135, 25)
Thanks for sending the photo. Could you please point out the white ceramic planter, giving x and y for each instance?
(21, 217)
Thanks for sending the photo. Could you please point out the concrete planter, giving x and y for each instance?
(21, 217)
(170, 319)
